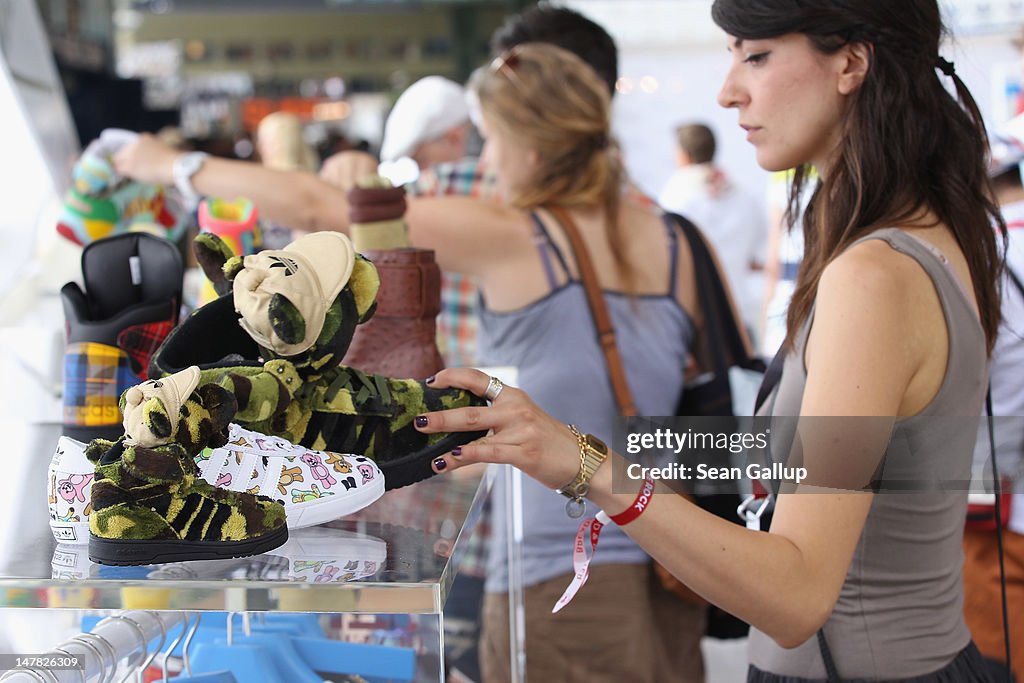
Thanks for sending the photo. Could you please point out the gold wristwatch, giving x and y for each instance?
(593, 452)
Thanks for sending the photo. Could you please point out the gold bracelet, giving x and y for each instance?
(581, 442)
(593, 452)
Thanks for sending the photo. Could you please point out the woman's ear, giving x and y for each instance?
(856, 62)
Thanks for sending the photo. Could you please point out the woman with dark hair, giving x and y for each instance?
(894, 315)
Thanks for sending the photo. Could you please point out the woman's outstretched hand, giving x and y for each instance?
(345, 168)
(147, 160)
(521, 435)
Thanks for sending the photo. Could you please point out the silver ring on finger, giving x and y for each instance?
(493, 390)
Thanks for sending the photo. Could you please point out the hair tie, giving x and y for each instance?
(945, 66)
(601, 141)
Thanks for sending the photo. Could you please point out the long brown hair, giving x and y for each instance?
(554, 103)
(907, 144)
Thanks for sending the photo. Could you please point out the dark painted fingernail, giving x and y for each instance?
(421, 421)
(440, 464)
(430, 380)
(457, 452)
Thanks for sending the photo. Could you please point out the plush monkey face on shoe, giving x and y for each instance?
(276, 341)
(149, 503)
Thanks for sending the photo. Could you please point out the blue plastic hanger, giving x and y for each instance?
(212, 677)
(242, 662)
(214, 627)
(278, 648)
(338, 657)
(260, 658)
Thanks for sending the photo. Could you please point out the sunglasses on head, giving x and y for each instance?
(506, 64)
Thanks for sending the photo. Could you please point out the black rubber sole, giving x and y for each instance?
(419, 466)
(124, 553)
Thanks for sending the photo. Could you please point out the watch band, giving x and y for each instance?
(593, 452)
(185, 166)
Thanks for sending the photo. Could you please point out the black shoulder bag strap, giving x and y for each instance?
(997, 487)
(771, 378)
(713, 299)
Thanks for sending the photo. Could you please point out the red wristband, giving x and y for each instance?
(643, 499)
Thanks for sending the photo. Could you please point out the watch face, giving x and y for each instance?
(597, 444)
(190, 163)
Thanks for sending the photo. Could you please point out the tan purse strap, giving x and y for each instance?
(602, 320)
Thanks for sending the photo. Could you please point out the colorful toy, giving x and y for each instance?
(234, 222)
(101, 204)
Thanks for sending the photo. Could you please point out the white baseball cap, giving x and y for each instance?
(426, 110)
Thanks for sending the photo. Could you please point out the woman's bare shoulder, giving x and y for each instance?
(874, 269)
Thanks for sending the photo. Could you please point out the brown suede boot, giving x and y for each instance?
(401, 338)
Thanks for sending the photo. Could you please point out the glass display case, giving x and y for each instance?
(387, 568)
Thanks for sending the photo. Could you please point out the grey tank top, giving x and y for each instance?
(553, 344)
(900, 611)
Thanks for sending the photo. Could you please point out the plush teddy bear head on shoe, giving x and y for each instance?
(302, 302)
(177, 409)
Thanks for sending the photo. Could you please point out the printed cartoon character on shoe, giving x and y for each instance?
(149, 503)
(253, 462)
(276, 341)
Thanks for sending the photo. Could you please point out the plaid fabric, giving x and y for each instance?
(95, 376)
(459, 319)
(140, 342)
(466, 178)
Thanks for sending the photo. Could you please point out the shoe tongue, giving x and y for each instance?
(172, 391)
(128, 269)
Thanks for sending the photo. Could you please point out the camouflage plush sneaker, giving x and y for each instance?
(149, 503)
(150, 506)
(314, 486)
